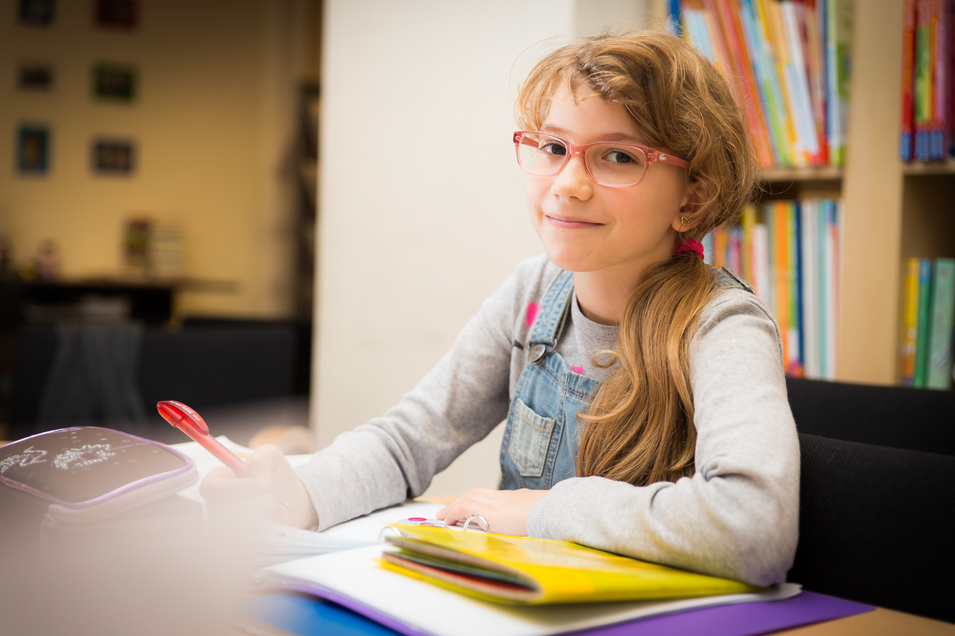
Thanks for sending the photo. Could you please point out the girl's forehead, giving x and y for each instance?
(585, 113)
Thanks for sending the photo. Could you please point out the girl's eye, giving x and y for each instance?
(622, 158)
(553, 148)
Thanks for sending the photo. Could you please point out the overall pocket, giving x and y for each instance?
(530, 439)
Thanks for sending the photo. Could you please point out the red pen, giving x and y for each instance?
(192, 424)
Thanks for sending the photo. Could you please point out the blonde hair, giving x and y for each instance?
(639, 427)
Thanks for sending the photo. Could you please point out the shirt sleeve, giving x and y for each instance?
(457, 404)
(738, 515)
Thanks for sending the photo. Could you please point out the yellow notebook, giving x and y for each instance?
(533, 571)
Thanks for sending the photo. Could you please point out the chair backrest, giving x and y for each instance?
(877, 525)
(899, 417)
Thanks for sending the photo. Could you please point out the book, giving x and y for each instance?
(939, 358)
(926, 16)
(356, 580)
(290, 612)
(907, 133)
(524, 570)
(921, 344)
(839, 24)
(910, 321)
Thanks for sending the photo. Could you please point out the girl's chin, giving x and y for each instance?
(568, 261)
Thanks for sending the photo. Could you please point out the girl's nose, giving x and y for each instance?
(573, 181)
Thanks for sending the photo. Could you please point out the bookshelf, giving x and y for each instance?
(893, 210)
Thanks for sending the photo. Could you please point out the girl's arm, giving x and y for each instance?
(738, 515)
(458, 403)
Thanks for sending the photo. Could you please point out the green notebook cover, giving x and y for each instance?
(924, 311)
(939, 362)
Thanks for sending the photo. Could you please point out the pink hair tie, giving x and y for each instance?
(691, 245)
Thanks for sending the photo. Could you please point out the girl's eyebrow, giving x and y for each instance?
(617, 136)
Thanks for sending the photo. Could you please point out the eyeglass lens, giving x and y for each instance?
(607, 163)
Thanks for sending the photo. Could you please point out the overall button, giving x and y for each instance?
(536, 352)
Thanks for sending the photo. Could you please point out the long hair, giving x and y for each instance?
(639, 427)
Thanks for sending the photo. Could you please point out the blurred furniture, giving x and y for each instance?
(204, 366)
(23, 301)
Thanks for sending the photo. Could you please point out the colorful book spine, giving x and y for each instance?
(795, 288)
(924, 77)
(839, 62)
(910, 322)
(728, 17)
(790, 252)
(795, 72)
(921, 344)
(788, 65)
(833, 267)
(814, 52)
(940, 79)
(808, 213)
(939, 360)
(907, 133)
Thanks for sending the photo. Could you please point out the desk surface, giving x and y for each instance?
(881, 622)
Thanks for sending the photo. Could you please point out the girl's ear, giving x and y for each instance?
(689, 216)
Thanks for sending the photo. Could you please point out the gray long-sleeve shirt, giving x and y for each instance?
(736, 517)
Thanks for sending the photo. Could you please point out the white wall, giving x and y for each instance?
(422, 211)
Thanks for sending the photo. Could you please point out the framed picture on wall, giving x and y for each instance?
(113, 157)
(36, 12)
(116, 14)
(36, 76)
(114, 82)
(33, 149)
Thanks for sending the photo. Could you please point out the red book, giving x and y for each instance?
(907, 132)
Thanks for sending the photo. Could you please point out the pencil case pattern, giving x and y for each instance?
(82, 476)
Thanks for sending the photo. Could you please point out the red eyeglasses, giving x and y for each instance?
(608, 163)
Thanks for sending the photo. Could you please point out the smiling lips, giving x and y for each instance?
(569, 223)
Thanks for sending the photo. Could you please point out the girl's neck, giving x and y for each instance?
(602, 298)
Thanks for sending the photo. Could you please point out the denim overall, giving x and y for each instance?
(542, 435)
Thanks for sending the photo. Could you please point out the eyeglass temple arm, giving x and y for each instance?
(521, 139)
(662, 157)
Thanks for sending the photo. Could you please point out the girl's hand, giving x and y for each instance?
(506, 511)
(267, 470)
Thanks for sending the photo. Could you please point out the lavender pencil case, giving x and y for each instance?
(84, 477)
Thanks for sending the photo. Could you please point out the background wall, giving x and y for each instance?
(214, 121)
(422, 211)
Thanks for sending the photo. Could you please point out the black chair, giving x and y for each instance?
(876, 525)
(898, 417)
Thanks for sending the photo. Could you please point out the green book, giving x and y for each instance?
(921, 343)
(939, 367)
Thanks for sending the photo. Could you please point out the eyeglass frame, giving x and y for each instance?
(651, 154)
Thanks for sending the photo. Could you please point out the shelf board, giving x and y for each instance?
(929, 167)
(779, 175)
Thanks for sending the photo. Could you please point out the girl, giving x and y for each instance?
(643, 390)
